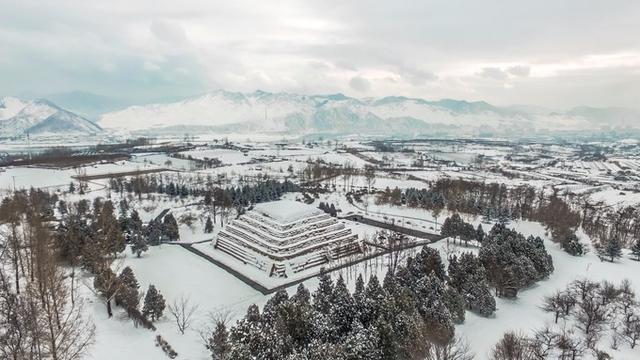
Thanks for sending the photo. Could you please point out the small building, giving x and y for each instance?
(285, 237)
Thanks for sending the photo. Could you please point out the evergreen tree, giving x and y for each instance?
(374, 294)
(480, 233)
(154, 232)
(635, 250)
(478, 296)
(218, 342)
(450, 227)
(332, 210)
(426, 262)
(612, 249)
(170, 230)
(127, 278)
(342, 309)
(323, 296)
(572, 245)
(138, 240)
(127, 295)
(154, 304)
(108, 230)
(208, 227)
(123, 219)
(208, 201)
(72, 187)
(455, 304)
(361, 343)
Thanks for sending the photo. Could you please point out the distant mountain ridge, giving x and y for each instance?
(41, 117)
(262, 111)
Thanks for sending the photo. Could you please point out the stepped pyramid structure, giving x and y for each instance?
(285, 237)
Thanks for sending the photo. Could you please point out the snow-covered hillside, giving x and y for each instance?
(40, 117)
(303, 114)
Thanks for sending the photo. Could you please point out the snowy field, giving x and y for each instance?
(176, 272)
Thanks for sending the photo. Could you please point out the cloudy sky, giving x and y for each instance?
(551, 53)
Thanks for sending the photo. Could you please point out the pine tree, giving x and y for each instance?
(170, 230)
(138, 240)
(208, 227)
(123, 219)
(323, 296)
(154, 304)
(153, 232)
(128, 278)
(426, 262)
(478, 296)
(361, 343)
(109, 234)
(612, 249)
(480, 233)
(302, 295)
(127, 295)
(207, 198)
(455, 303)
(332, 210)
(572, 245)
(374, 294)
(72, 187)
(218, 342)
(342, 309)
(635, 250)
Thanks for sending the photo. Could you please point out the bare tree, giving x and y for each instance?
(570, 345)
(370, 176)
(591, 318)
(396, 244)
(41, 322)
(455, 349)
(183, 312)
(513, 346)
(560, 303)
(631, 330)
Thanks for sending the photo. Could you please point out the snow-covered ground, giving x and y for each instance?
(176, 271)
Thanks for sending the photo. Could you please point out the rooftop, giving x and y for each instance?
(286, 211)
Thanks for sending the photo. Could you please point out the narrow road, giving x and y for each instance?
(393, 215)
(401, 229)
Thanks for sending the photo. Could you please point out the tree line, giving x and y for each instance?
(41, 316)
(493, 202)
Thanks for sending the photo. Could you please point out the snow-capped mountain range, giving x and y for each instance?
(41, 117)
(261, 111)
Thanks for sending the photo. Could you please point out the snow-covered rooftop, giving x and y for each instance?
(286, 211)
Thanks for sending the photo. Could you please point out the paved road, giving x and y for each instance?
(403, 230)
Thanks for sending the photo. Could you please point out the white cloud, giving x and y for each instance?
(360, 84)
(494, 50)
(519, 70)
(495, 73)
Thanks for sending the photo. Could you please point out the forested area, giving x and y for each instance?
(223, 196)
(41, 316)
(497, 202)
(411, 315)
(43, 242)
